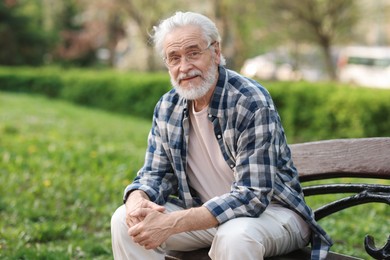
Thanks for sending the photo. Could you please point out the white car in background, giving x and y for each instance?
(365, 66)
(270, 66)
(280, 65)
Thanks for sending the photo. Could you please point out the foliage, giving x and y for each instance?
(77, 29)
(324, 23)
(313, 111)
(42, 81)
(63, 169)
(23, 43)
(309, 111)
(134, 9)
(79, 37)
(132, 93)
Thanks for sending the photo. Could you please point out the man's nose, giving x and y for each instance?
(184, 64)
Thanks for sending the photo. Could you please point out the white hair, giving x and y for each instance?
(180, 19)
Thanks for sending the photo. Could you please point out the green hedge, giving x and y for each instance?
(129, 93)
(43, 81)
(315, 111)
(309, 111)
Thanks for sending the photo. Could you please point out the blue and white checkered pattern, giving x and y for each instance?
(252, 140)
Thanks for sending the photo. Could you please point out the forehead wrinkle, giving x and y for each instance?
(183, 38)
(193, 46)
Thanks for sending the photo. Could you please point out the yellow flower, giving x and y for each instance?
(93, 154)
(32, 149)
(47, 183)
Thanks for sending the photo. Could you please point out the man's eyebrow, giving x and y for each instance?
(193, 46)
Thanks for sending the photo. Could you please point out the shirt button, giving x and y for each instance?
(231, 166)
(219, 136)
(210, 115)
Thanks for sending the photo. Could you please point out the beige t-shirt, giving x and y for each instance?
(208, 172)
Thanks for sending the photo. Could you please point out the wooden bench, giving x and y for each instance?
(352, 158)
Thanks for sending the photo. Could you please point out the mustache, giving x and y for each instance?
(190, 74)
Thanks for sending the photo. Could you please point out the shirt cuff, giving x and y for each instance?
(134, 186)
(220, 209)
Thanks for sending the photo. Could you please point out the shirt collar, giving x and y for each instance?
(215, 106)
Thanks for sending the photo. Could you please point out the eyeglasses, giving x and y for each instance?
(190, 57)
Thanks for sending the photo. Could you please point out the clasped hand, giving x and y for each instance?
(148, 225)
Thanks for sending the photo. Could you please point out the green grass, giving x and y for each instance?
(63, 169)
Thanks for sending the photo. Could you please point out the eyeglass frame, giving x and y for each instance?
(186, 56)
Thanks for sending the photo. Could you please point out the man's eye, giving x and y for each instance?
(193, 54)
(174, 58)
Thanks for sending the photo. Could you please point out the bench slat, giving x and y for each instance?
(301, 254)
(361, 157)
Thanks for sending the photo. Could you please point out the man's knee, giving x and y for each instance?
(239, 239)
(235, 233)
(118, 220)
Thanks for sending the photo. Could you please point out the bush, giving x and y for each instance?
(131, 93)
(23, 42)
(309, 111)
(27, 80)
(315, 111)
(128, 93)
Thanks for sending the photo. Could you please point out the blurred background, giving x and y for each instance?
(79, 80)
(282, 40)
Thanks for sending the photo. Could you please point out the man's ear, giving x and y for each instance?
(217, 51)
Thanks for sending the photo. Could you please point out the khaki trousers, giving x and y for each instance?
(277, 231)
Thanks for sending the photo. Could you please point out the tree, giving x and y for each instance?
(323, 22)
(146, 14)
(102, 26)
(78, 35)
(235, 28)
(22, 41)
(239, 24)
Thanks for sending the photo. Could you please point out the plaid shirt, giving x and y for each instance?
(252, 140)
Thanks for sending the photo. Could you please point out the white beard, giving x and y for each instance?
(193, 92)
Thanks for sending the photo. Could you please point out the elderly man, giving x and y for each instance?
(218, 171)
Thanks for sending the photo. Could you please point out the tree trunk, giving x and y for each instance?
(327, 52)
(151, 62)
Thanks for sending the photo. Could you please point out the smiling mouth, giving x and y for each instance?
(189, 78)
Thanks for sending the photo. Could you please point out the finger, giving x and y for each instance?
(158, 208)
(138, 238)
(145, 242)
(151, 205)
(132, 232)
(131, 221)
(140, 213)
(150, 246)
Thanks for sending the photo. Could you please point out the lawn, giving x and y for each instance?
(63, 169)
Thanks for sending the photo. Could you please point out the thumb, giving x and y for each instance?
(154, 206)
(132, 231)
(158, 208)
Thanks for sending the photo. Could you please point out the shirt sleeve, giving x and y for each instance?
(156, 178)
(256, 166)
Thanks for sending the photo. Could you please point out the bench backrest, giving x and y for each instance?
(356, 158)
(361, 157)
